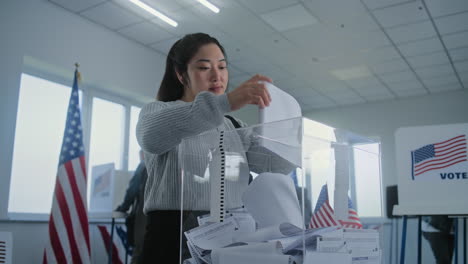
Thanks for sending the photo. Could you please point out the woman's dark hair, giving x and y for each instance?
(180, 54)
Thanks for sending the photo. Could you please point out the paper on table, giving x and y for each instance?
(272, 200)
(214, 235)
(260, 248)
(322, 257)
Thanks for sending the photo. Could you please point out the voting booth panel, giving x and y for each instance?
(432, 170)
(250, 195)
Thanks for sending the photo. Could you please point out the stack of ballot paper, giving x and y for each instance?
(269, 229)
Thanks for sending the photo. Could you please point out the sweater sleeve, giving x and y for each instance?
(162, 125)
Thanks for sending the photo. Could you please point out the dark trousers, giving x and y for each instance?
(442, 245)
(162, 236)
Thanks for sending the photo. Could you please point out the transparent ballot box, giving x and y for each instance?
(270, 193)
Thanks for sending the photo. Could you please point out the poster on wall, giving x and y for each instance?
(101, 198)
(432, 168)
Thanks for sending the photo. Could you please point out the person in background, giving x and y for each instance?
(136, 220)
(192, 99)
(438, 231)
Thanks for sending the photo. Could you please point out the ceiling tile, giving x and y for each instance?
(380, 55)
(390, 66)
(401, 14)
(459, 54)
(77, 6)
(349, 100)
(457, 40)
(421, 47)
(435, 58)
(403, 76)
(408, 93)
(165, 45)
(374, 4)
(370, 81)
(405, 85)
(379, 97)
(412, 32)
(461, 66)
(452, 23)
(236, 20)
(445, 88)
(440, 81)
(294, 16)
(434, 71)
(146, 33)
(439, 8)
(264, 6)
(111, 16)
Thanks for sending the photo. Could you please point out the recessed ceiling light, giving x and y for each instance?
(209, 5)
(351, 73)
(154, 12)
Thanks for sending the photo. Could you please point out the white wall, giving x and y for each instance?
(57, 39)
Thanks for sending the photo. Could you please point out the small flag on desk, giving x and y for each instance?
(68, 224)
(324, 215)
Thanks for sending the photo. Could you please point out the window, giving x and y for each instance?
(133, 147)
(367, 179)
(40, 124)
(107, 133)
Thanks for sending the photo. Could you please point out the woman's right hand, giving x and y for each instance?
(252, 91)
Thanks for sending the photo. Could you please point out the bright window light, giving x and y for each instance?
(155, 12)
(209, 6)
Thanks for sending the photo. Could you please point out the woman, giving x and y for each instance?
(191, 100)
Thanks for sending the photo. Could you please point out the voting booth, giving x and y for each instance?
(432, 170)
(272, 193)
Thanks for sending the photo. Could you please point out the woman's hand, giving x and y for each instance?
(252, 91)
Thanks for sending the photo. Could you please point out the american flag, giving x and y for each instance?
(438, 155)
(68, 224)
(106, 239)
(324, 215)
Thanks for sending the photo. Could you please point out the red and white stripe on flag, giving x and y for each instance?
(68, 224)
(325, 217)
(118, 249)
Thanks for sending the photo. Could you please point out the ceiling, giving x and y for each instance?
(325, 53)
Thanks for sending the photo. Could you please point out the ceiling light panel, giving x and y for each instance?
(209, 5)
(154, 12)
(290, 17)
(351, 73)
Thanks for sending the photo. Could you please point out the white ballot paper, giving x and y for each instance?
(211, 236)
(282, 106)
(272, 200)
(257, 253)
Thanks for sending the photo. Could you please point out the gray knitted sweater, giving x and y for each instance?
(162, 126)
